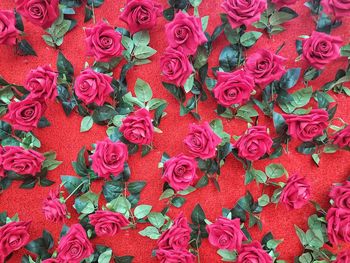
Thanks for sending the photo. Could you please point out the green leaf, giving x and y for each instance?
(136, 187)
(95, 3)
(264, 200)
(70, 182)
(86, 124)
(198, 215)
(143, 52)
(306, 148)
(189, 83)
(275, 170)
(105, 257)
(278, 18)
(103, 114)
(227, 255)
(246, 112)
(177, 92)
(64, 67)
(150, 232)
(167, 194)
(155, 103)
(25, 48)
(290, 78)
(187, 191)
(248, 39)
(229, 57)
(156, 219)
(86, 203)
(345, 50)
(143, 90)
(142, 211)
(141, 38)
(178, 201)
(316, 158)
(120, 205)
(124, 259)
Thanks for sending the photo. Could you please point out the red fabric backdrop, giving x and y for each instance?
(64, 137)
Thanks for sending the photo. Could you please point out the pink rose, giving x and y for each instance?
(308, 126)
(265, 66)
(243, 12)
(342, 137)
(25, 115)
(107, 223)
(54, 210)
(22, 161)
(284, 2)
(343, 257)
(109, 158)
(226, 233)
(201, 141)
(93, 87)
(185, 31)
(339, 8)
(42, 83)
(340, 194)
(103, 42)
(320, 49)
(175, 256)
(254, 144)
(296, 193)
(39, 12)
(8, 30)
(137, 128)
(141, 14)
(180, 172)
(338, 225)
(233, 88)
(50, 260)
(253, 252)
(175, 66)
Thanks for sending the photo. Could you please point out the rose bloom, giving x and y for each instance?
(137, 128)
(25, 115)
(284, 2)
(308, 126)
(226, 233)
(42, 83)
(50, 260)
(233, 88)
(109, 158)
(320, 49)
(201, 141)
(103, 42)
(175, 256)
(265, 66)
(93, 87)
(253, 252)
(8, 30)
(338, 225)
(340, 194)
(243, 12)
(180, 172)
(74, 246)
(296, 193)
(175, 66)
(54, 210)
(2, 170)
(141, 14)
(342, 137)
(343, 257)
(39, 12)
(338, 8)
(21, 161)
(254, 144)
(107, 223)
(185, 31)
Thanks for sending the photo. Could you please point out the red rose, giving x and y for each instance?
(141, 14)
(254, 144)
(253, 252)
(339, 8)
(226, 233)
(74, 246)
(201, 141)
(93, 87)
(42, 83)
(295, 193)
(138, 128)
(342, 137)
(180, 172)
(320, 49)
(243, 12)
(338, 225)
(185, 31)
(109, 158)
(175, 256)
(340, 194)
(233, 88)
(175, 66)
(265, 66)
(103, 42)
(22, 161)
(25, 115)
(40, 12)
(54, 210)
(8, 30)
(284, 2)
(308, 126)
(13, 236)
(343, 257)
(107, 223)
(2, 170)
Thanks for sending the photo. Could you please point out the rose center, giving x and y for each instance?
(36, 11)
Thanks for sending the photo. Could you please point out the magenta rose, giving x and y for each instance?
(25, 115)
(253, 252)
(201, 141)
(338, 8)
(176, 66)
(343, 257)
(74, 246)
(233, 88)
(296, 192)
(340, 194)
(185, 31)
(265, 66)
(342, 137)
(180, 172)
(8, 30)
(107, 223)
(54, 210)
(254, 144)
(103, 42)
(320, 49)
(308, 126)
(243, 12)
(284, 2)
(138, 128)
(226, 233)
(42, 83)
(93, 87)
(39, 12)
(2, 170)
(109, 158)
(175, 256)
(21, 161)
(338, 225)
(141, 14)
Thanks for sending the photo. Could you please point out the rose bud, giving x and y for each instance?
(8, 30)
(54, 210)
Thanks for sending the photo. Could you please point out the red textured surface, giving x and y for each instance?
(64, 137)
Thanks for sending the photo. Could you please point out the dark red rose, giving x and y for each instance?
(284, 2)
(338, 225)
(54, 210)
(175, 256)
(296, 193)
(253, 252)
(340, 194)
(342, 137)
(107, 223)
(343, 257)
(8, 30)
(338, 8)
